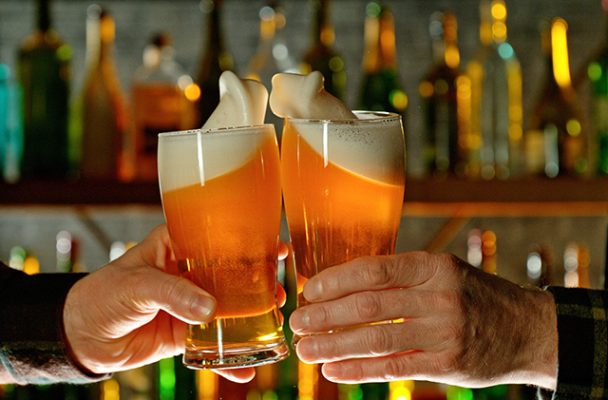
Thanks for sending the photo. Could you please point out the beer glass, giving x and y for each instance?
(343, 185)
(221, 198)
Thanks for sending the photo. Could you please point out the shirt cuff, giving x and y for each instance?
(582, 329)
(33, 347)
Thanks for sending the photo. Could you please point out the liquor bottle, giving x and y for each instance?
(557, 129)
(44, 74)
(597, 71)
(105, 143)
(272, 54)
(381, 88)
(443, 122)
(11, 126)
(321, 56)
(163, 98)
(494, 141)
(215, 59)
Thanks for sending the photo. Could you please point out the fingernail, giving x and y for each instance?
(331, 371)
(308, 349)
(203, 307)
(299, 320)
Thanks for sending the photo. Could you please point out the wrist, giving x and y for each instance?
(540, 366)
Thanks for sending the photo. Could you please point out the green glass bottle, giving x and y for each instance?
(44, 73)
(597, 72)
(215, 59)
(321, 55)
(557, 131)
(381, 87)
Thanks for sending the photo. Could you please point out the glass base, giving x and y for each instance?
(235, 358)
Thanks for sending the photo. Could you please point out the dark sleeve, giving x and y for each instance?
(582, 329)
(32, 342)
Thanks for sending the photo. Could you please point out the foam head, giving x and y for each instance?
(242, 103)
(371, 146)
(303, 96)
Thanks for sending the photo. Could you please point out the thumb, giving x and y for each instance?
(175, 295)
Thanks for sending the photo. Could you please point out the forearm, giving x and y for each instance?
(32, 344)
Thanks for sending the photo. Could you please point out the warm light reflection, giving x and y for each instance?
(559, 45)
(192, 92)
(400, 390)
(110, 390)
(206, 385)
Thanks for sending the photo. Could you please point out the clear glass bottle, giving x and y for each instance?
(494, 140)
(44, 74)
(106, 144)
(321, 55)
(215, 59)
(163, 99)
(556, 121)
(272, 54)
(443, 122)
(381, 88)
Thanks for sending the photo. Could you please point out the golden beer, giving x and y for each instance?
(222, 203)
(343, 185)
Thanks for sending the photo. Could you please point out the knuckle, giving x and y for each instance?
(380, 274)
(368, 306)
(320, 316)
(378, 341)
(394, 369)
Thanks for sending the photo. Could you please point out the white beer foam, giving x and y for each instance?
(243, 102)
(371, 147)
(197, 156)
(227, 140)
(304, 96)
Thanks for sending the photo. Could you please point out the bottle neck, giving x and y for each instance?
(101, 32)
(215, 41)
(268, 24)
(43, 18)
(380, 43)
(444, 33)
(322, 29)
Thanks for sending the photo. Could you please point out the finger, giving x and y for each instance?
(281, 295)
(368, 341)
(370, 273)
(241, 375)
(415, 365)
(366, 307)
(175, 295)
(155, 250)
(283, 251)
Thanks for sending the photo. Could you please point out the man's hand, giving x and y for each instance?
(132, 313)
(438, 319)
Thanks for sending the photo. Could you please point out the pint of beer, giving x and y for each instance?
(343, 185)
(222, 203)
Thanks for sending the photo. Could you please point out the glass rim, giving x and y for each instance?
(380, 116)
(225, 131)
